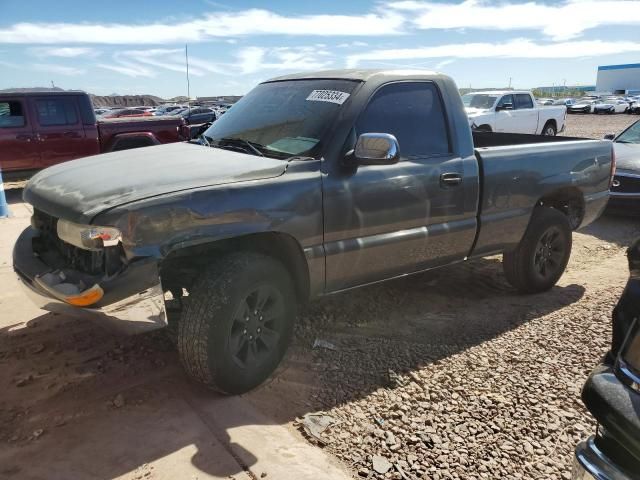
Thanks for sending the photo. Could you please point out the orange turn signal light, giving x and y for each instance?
(86, 298)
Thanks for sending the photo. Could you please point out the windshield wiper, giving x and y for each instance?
(240, 142)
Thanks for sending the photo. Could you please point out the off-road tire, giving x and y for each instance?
(522, 265)
(210, 318)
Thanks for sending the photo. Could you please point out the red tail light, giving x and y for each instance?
(613, 165)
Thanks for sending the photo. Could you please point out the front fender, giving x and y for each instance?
(157, 226)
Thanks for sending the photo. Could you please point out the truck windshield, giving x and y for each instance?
(630, 135)
(281, 119)
(476, 100)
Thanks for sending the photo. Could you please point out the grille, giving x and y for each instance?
(622, 184)
(59, 254)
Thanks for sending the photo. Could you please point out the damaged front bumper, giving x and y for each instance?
(132, 300)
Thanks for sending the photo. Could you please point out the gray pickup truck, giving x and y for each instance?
(312, 184)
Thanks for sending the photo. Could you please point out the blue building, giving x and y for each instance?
(619, 79)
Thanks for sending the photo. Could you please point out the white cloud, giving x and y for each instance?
(560, 21)
(129, 69)
(357, 43)
(8, 64)
(58, 69)
(65, 52)
(219, 24)
(253, 59)
(148, 63)
(443, 63)
(518, 48)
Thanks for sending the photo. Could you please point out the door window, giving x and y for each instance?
(413, 113)
(11, 114)
(506, 102)
(56, 111)
(523, 101)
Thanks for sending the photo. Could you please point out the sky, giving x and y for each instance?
(138, 46)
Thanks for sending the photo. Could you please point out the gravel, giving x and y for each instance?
(596, 126)
(505, 408)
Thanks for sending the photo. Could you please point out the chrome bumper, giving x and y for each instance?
(138, 313)
(590, 463)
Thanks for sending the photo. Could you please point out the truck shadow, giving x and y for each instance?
(82, 399)
(617, 229)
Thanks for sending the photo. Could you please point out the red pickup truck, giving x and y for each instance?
(40, 129)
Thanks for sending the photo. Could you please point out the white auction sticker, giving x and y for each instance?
(331, 96)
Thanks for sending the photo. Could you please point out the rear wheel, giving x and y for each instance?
(541, 257)
(549, 130)
(238, 322)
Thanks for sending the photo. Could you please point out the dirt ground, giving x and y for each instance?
(448, 374)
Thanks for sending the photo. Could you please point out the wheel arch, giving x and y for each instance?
(568, 200)
(551, 121)
(182, 265)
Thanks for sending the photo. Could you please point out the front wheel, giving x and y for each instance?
(541, 257)
(238, 322)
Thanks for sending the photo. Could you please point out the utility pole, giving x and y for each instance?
(186, 59)
(509, 83)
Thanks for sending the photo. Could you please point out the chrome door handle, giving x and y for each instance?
(450, 179)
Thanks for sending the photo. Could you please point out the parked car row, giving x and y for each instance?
(596, 104)
(192, 115)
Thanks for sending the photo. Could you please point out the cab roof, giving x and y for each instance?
(356, 74)
(499, 92)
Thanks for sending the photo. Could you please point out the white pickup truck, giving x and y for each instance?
(512, 111)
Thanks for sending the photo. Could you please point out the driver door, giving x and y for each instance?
(505, 115)
(381, 221)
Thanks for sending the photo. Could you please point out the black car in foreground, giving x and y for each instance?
(612, 394)
(624, 197)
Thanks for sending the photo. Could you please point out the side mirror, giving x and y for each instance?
(609, 136)
(376, 149)
(506, 106)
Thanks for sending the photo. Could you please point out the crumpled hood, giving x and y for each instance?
(80, 189)
(627, 157)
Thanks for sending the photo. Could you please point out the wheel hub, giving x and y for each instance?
(549, 252)
(253, 325)
(256, 329)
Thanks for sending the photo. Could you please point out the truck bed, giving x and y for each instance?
(514, 168)
(495, 139)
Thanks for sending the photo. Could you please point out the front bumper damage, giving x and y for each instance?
(131, 300)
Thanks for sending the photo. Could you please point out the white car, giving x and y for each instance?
(611, 106)
(512, 111)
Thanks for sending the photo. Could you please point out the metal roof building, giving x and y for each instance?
(619, 79)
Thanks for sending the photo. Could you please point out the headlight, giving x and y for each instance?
(88, 237)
